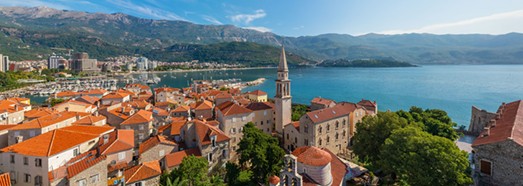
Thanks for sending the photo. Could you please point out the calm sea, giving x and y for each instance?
(452, 88)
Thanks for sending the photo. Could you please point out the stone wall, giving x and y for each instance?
(99, 169)
(507, 163)
(479, 119)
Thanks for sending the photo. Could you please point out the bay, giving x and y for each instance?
(453, 88)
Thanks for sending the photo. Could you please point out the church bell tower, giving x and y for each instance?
(282, 99)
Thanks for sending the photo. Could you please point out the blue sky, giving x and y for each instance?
(313, 17)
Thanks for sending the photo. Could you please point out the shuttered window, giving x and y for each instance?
(486, 167)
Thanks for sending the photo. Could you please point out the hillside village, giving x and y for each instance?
(134, 134)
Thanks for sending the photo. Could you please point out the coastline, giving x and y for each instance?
(196, 70)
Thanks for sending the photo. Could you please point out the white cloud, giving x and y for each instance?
(211, 20)
(33, 3)
(146, 10)
(258, 28)
(248, 18)
(501, 23)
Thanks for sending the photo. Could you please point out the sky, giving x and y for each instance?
(314, 17)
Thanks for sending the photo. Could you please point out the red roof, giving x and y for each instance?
(258, 93)
(275, 180)
(229, 108)
(322, 101)
(338, 171)
(508, 126)
(141, 116)
(5, 179)
(176, 126)
(341, 109)
(115, 95)
(260, 106)
(181, 108)
(48, 120)
(118, 140)
(311, 155)
(223, 95)
(176, 158)
(39, 112)
(89, 120)
(205, 131)
(152, 142)
(82, 165)
(88, 99)
(203, 105)
(166, 89)
(142, 172)
(57, 141)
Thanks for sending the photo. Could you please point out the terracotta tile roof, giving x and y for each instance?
(223, 95)
(205, 131)
(258, 93)
(5, 179)
(164, 104)
(260, 106)
(127, 92)
(4, 127)
(118, 112)
(234, 91)
(18, 99)
(166, 89)
(311, 155)
(88, 99)
(74, 102)
(275, 180)
(322, 101)
(82, 165)
(11, 106)
(296, 124)
(176, 127)
(338, 171)
(115, 95)
(160, 112)
(141, 104)
(162, 128)
(89, 120)
(341, 109)
(39, 112)
(67, 94)
(57, 141)
(48, 120)
(118, 140)
(153, 141)
(181, 108)
(141, 116)
(142, 172)
(229, 108)
(175, 158)
(507, 126)
(369, 105)
(117, 166)
(94, 92)
(204, 105)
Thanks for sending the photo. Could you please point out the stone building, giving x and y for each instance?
(155, 148)
(497, 151)
(82, 63)
(142, 124)
(257, 96)
(320, 103)
(282, 99)
(203, 109)
(263, 117)
(232, 118)
(479, 120)
(330, 128)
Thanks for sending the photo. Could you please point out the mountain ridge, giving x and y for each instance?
(130, 32)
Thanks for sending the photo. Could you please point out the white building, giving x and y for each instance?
(52, 62)
(142, 63)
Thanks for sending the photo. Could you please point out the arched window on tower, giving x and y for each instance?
(328, 127)
(319, 129)
(336, 136)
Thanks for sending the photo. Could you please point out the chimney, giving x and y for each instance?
(487, 131)
(123, 110)
(16, 107)
(67, 109)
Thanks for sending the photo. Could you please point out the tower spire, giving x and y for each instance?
(282, 66)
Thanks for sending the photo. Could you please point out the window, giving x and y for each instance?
(319, 130)
(75, 152)
(268, 121)
(140, 136)
(81, 182)
(38, 162)
(265, 112)
(94, 178)
(328, 139)
(295, 140)
(38, 180)
(12, 160)
(138, 184)
(141, 127)
(27, 178)
(344, 122)
(336, 136)
(344, 133)
(306, 129)
(32, 133)
(92, 142)
(337, 124)
(261, 122)
(213, 141)
(287, 136)
(209, 157)
(328, 127)
(485, 167)
(319, 141)
(244, 118)
(161, 153)
(233, 119)
(26, 161)
(306, 142)
(121, 155)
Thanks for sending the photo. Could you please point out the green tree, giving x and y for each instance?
(55, 101)
(194, 170)
(372, 132)
(260, 153)
(298, 110)
(434, 121)
(237, 177)
(416, 157)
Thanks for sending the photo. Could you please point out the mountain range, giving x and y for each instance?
(25, 32)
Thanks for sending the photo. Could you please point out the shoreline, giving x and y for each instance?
(196, 70)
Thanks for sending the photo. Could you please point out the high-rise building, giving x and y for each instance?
(2, 63)
(82, 63)
(52, 62)
(282, 99)
(6, 63)
(142, 63)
